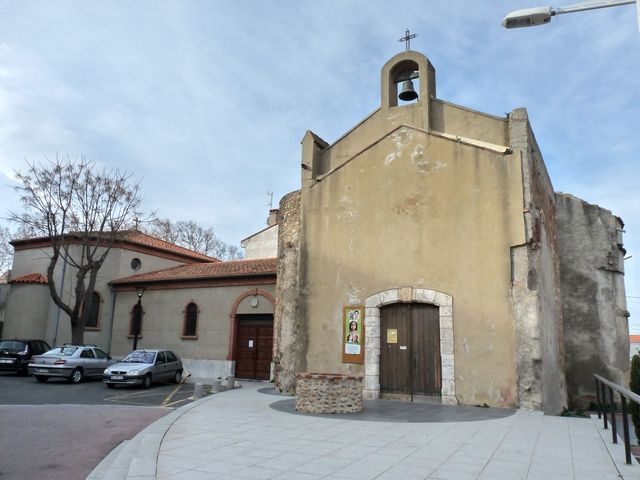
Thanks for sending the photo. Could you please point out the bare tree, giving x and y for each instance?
(189, 234)
(83, 212)
(164, 229)
(6, 252)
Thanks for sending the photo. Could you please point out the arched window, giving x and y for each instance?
(94, 313)
(190, 328)
(137, 314)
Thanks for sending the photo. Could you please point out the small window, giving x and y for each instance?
(100, 354)
(190, 328)
(171, 357)
(87, 353)
(92, 319)
(136, 263)
(137, 316)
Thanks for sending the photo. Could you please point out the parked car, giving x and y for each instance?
(73, 362)
(144, 367)
(15, 355)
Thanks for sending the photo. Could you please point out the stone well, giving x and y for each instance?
(328, 393)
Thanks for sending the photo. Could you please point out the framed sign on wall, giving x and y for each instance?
(353, 334)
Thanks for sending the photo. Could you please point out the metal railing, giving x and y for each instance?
(604, 389)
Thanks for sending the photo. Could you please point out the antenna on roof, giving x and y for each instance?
(270, 195)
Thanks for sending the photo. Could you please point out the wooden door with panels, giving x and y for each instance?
(254, 347)
(410, 366)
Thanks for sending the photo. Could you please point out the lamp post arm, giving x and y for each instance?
(581, 7)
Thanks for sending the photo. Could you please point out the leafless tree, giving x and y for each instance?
(189, 234)
(82, 211)
(6, 252)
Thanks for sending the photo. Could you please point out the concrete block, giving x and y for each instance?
(446, 334)
(442, 300)
(373, 301)
(423, 295)
(389, 296)
(406, 294)
(446, 321)
(448, 372)
(372, 312)
(446, 347)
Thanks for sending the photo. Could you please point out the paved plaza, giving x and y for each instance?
(248, 433)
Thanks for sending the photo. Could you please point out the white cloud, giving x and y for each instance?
(208, 101)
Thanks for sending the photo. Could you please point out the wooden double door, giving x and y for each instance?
(254, 347)
(410, 366)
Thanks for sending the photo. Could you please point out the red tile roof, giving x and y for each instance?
(130, 238)
(200, 271)
(634, 338)
(36, 278)
(139, 238)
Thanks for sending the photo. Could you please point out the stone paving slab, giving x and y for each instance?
(237, 435)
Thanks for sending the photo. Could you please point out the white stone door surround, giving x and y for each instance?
(373, 303)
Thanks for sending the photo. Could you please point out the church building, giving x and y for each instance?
(427, 251)
(425, 254)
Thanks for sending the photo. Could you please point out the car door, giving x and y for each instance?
(102, 361)
(172, 364)
(87, 360)
(160, 368)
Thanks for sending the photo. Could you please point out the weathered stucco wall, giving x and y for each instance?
(536, 282)
(290, 334)
(263, 244)
(50, 323)
(418, 210)
(29, 304)
(163, 319)
(594, 305)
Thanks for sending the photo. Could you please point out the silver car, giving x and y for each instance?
(73, 362)
(144, 367)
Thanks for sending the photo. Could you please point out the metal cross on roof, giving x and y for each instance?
(407, 39)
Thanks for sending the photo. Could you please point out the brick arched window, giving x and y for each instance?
(190, 325)
(92, 322)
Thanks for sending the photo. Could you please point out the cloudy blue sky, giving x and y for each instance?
(207, 101)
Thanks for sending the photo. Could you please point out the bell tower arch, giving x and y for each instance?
(414, 66)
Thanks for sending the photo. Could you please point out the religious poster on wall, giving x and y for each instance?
(353, 334)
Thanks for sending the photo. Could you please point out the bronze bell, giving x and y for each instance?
(408, 93)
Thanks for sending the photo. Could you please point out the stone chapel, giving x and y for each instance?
(427, 251)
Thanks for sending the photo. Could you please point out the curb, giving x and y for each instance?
(137, 458)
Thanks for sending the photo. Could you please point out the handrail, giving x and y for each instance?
(601, 403)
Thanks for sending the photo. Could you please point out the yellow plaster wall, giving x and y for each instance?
(423, 211)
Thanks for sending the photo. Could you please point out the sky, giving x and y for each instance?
(206, 102)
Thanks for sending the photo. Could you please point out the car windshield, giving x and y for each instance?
(65, 351)
(12, 345)
(140, 356)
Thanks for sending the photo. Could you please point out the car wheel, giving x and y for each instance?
(41, 379)
(177, 377)
(146, 383)
(76, 376)
(111, 385)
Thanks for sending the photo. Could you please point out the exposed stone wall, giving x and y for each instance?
(536, 282)
(289, 343)
(593, 296)
(328, 393)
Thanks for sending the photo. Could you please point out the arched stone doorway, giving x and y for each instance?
(251, 335)
(373, 304)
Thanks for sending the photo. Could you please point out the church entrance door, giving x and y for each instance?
(410, 366)
(254, 346)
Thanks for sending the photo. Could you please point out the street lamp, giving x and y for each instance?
(530, 17)
(137, 318)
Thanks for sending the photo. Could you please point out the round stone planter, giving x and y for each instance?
(328, 393)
